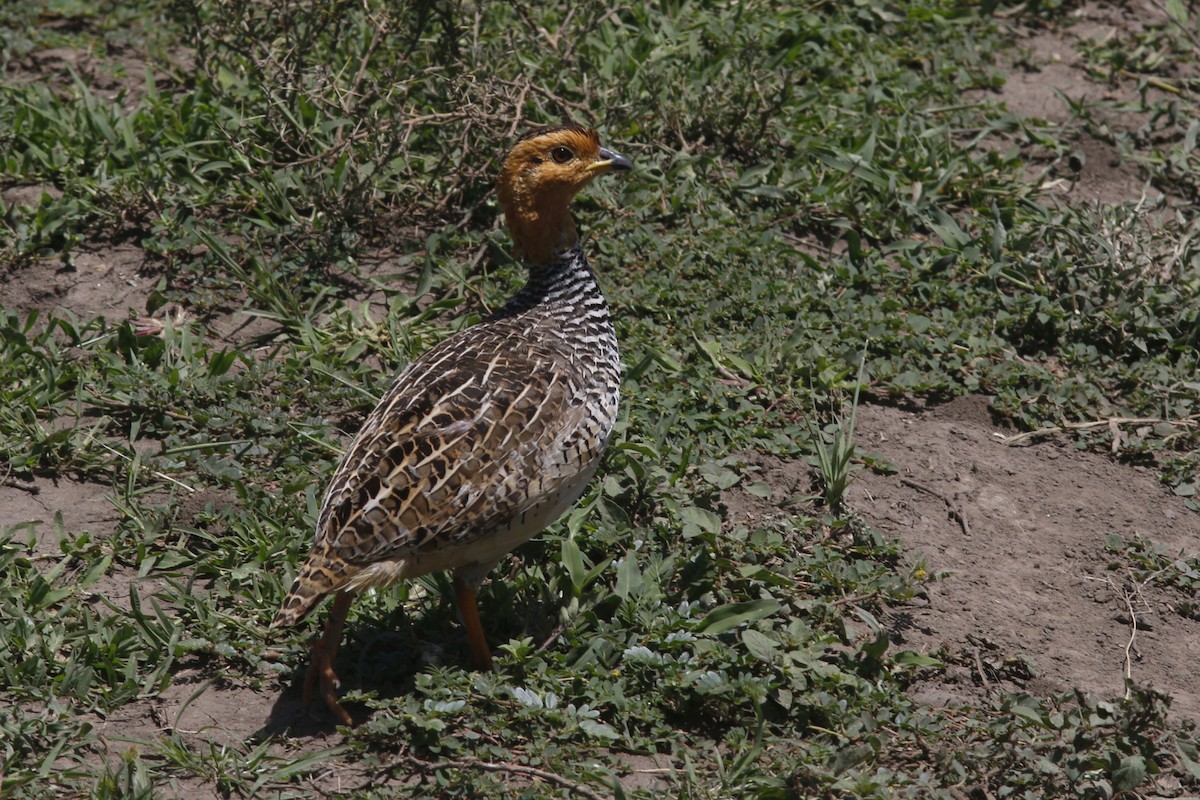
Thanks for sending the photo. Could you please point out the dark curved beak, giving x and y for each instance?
(610, 162)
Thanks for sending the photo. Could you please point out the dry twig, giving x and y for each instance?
(20, 483)
(1187, 422)
(487, 766)
(1128, 596)
(953, 508)
(855, 599)
(1133, 626)
(987, 684)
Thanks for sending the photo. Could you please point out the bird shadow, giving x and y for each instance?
(374, 658)
(383, 651)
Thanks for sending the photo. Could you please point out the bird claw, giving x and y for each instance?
(320, 671)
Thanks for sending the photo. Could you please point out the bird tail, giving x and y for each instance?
(319, 576)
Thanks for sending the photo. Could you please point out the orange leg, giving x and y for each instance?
(320, 668)
(468, 606)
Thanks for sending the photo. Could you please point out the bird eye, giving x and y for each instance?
(561, 155)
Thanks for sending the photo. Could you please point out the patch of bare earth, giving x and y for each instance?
(1051, 85)
(200, 716)
(40, 506)
(114, 68)
(1029, 599)
(1020, 533)
(107, 281)
(1023, 593)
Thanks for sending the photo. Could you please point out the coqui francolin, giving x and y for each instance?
(487, 437)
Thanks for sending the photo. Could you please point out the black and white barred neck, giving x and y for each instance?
(564, 301)
(566, 289)
(562, 279)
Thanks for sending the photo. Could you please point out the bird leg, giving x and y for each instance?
(324, 651)
(481, 654)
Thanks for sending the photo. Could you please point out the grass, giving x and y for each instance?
(807, 200)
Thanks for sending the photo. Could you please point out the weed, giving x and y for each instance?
(833, 450)
(308, 189)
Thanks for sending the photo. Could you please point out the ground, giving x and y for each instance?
(1020, 531)
(1011, 529)
(1019, 524)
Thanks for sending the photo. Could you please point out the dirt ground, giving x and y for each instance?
(1018, 530)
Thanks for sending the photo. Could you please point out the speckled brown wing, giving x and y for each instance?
(474, 447)
(443, 461)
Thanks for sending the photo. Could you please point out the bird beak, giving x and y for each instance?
(609, 162)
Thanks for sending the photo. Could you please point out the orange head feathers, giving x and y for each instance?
(544, 170)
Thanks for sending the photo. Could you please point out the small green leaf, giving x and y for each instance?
(629, 577)
(573, 560)
(96, 570)
(911, 658)
(1189, 756)
(698, 521)
(760, 645)
(919, 323)
(600, 730)
(727, 617)
(1130, 774)
(759, 489)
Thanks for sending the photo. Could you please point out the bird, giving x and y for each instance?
(487, 437)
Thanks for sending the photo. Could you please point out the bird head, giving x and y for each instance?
(543, 171)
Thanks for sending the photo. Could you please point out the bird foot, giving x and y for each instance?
(320, 671)
(468, 606)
